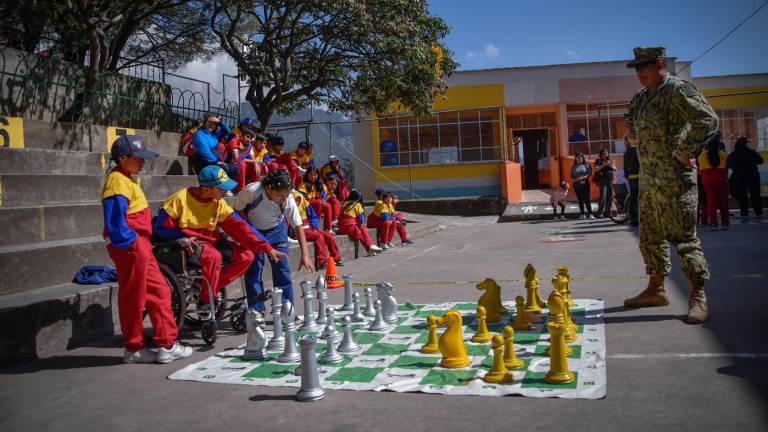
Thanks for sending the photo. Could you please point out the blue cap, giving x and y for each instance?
(130, 145)
(247, 121)
(213, 175)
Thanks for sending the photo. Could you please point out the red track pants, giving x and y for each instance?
(349, 227)
(247, 173)
(400, 228)
(142, 286)
(386, 229)
(324, 243)
(218, 277)
(323, 209)
(716, 187)
(335, 207)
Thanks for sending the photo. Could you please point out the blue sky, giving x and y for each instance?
(493, 33)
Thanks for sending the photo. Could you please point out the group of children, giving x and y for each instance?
(257, 227)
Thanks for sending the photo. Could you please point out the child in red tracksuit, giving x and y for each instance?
(714, 177)
(128, 226)
(352, 222)
(323, 240)
(380, 219)
(332, 188)
(196, 212)
(399, 223)
(314, 191)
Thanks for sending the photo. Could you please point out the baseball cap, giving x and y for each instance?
(261, 136)
(213, 175)
(303, 145)
(130, 145)
(645, 55)
(332, 158)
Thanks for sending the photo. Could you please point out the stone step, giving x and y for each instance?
(43, 190)
(53, 222)
(64, 162)
(41, 322)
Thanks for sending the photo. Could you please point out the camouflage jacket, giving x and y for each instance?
(674, 117)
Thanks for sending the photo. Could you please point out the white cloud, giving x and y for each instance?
(210, 72)
(490, 51)
(572, 54)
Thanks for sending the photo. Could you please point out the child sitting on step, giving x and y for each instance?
(352, 222)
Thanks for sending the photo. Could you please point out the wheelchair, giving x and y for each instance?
(620, 204)
(184, 275)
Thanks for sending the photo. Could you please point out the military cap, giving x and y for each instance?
(647, 55)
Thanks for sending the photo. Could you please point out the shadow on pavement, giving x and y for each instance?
(261, 398)
(64, 363)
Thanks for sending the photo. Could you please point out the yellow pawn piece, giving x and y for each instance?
(491, 300)
(533, 302)
(558, 360)
(451, 342)
(558, 308)
(521, 322)
(498, 373)
(482, 335)
(431, 346)
(565, 271)
(511, 361)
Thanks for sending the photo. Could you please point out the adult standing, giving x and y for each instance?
(746, 179)
(670, 121)
(581, 171)
(714, 176)
(604, 171)
(632, 174)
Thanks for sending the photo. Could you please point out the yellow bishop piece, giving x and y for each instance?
(482, 335)
(451, 342)
(533, 302)
(511, 361)
(431, 346)
(498, 373)
(521, 323)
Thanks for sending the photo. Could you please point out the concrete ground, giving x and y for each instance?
(662, 373)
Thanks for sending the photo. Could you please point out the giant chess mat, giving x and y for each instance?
(390, 360)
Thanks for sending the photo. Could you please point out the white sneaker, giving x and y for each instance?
(383, 246)
(375, 248)
(145, 355)
(591, 217)
(582, 217)
(176, 352)
(390, 245)
(292, 241)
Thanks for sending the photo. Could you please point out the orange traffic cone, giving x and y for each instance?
(331, 276)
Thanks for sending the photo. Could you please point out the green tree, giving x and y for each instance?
(352, 55)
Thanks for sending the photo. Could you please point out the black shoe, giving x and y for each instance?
(340, 262)
(264, 296)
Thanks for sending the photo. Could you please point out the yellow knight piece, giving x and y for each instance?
(565, 271)
(533, 301)
(431, 346)
(491, 300)
(451, 342)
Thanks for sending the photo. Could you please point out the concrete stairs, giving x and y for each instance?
(52, 222)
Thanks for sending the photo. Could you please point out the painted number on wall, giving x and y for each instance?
(11, 132)
(115, 132)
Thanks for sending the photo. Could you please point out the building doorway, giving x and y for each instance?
(532, 148)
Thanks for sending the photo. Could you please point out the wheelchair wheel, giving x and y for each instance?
(178, 296)
(620, 210)
(237, 319)
(208, 332)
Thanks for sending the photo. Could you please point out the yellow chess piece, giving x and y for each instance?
(558, 360)
(498, 373)
(565, 271)
(558, 310)
(521, 322)
(482, 335)
(511, 361)
(431, 346)
(533, 302)
(491, 300)
(451, 342)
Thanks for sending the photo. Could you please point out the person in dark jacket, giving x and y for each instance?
(745, 178)
(580, 174)
(604, 171)
(632, 173)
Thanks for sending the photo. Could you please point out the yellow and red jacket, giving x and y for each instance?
(126, 210)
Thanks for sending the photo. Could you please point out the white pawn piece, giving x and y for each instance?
(330, 326)
(309, 324)
(310, 390)
(378, 323)
(348, 344)
(278, 340)
(388, 302)
(322, 299)
(289, 355)
(256, 342)
(368, 302)
(331, 355)
(348, 290)
(356, 316)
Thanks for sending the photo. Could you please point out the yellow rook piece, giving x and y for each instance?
(431, 346)
(482, 335)
(511, 361)
(521, 322)
(558, 359)
(498, 373)
(533, 302)
(491, 300)
(451, 342)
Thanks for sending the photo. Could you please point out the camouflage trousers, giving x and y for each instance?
(668, 216)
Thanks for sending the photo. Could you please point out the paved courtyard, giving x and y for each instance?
(662, 373)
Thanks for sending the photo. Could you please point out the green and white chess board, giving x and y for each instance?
(390, 360)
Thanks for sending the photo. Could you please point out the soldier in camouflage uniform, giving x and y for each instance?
(670, 121)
